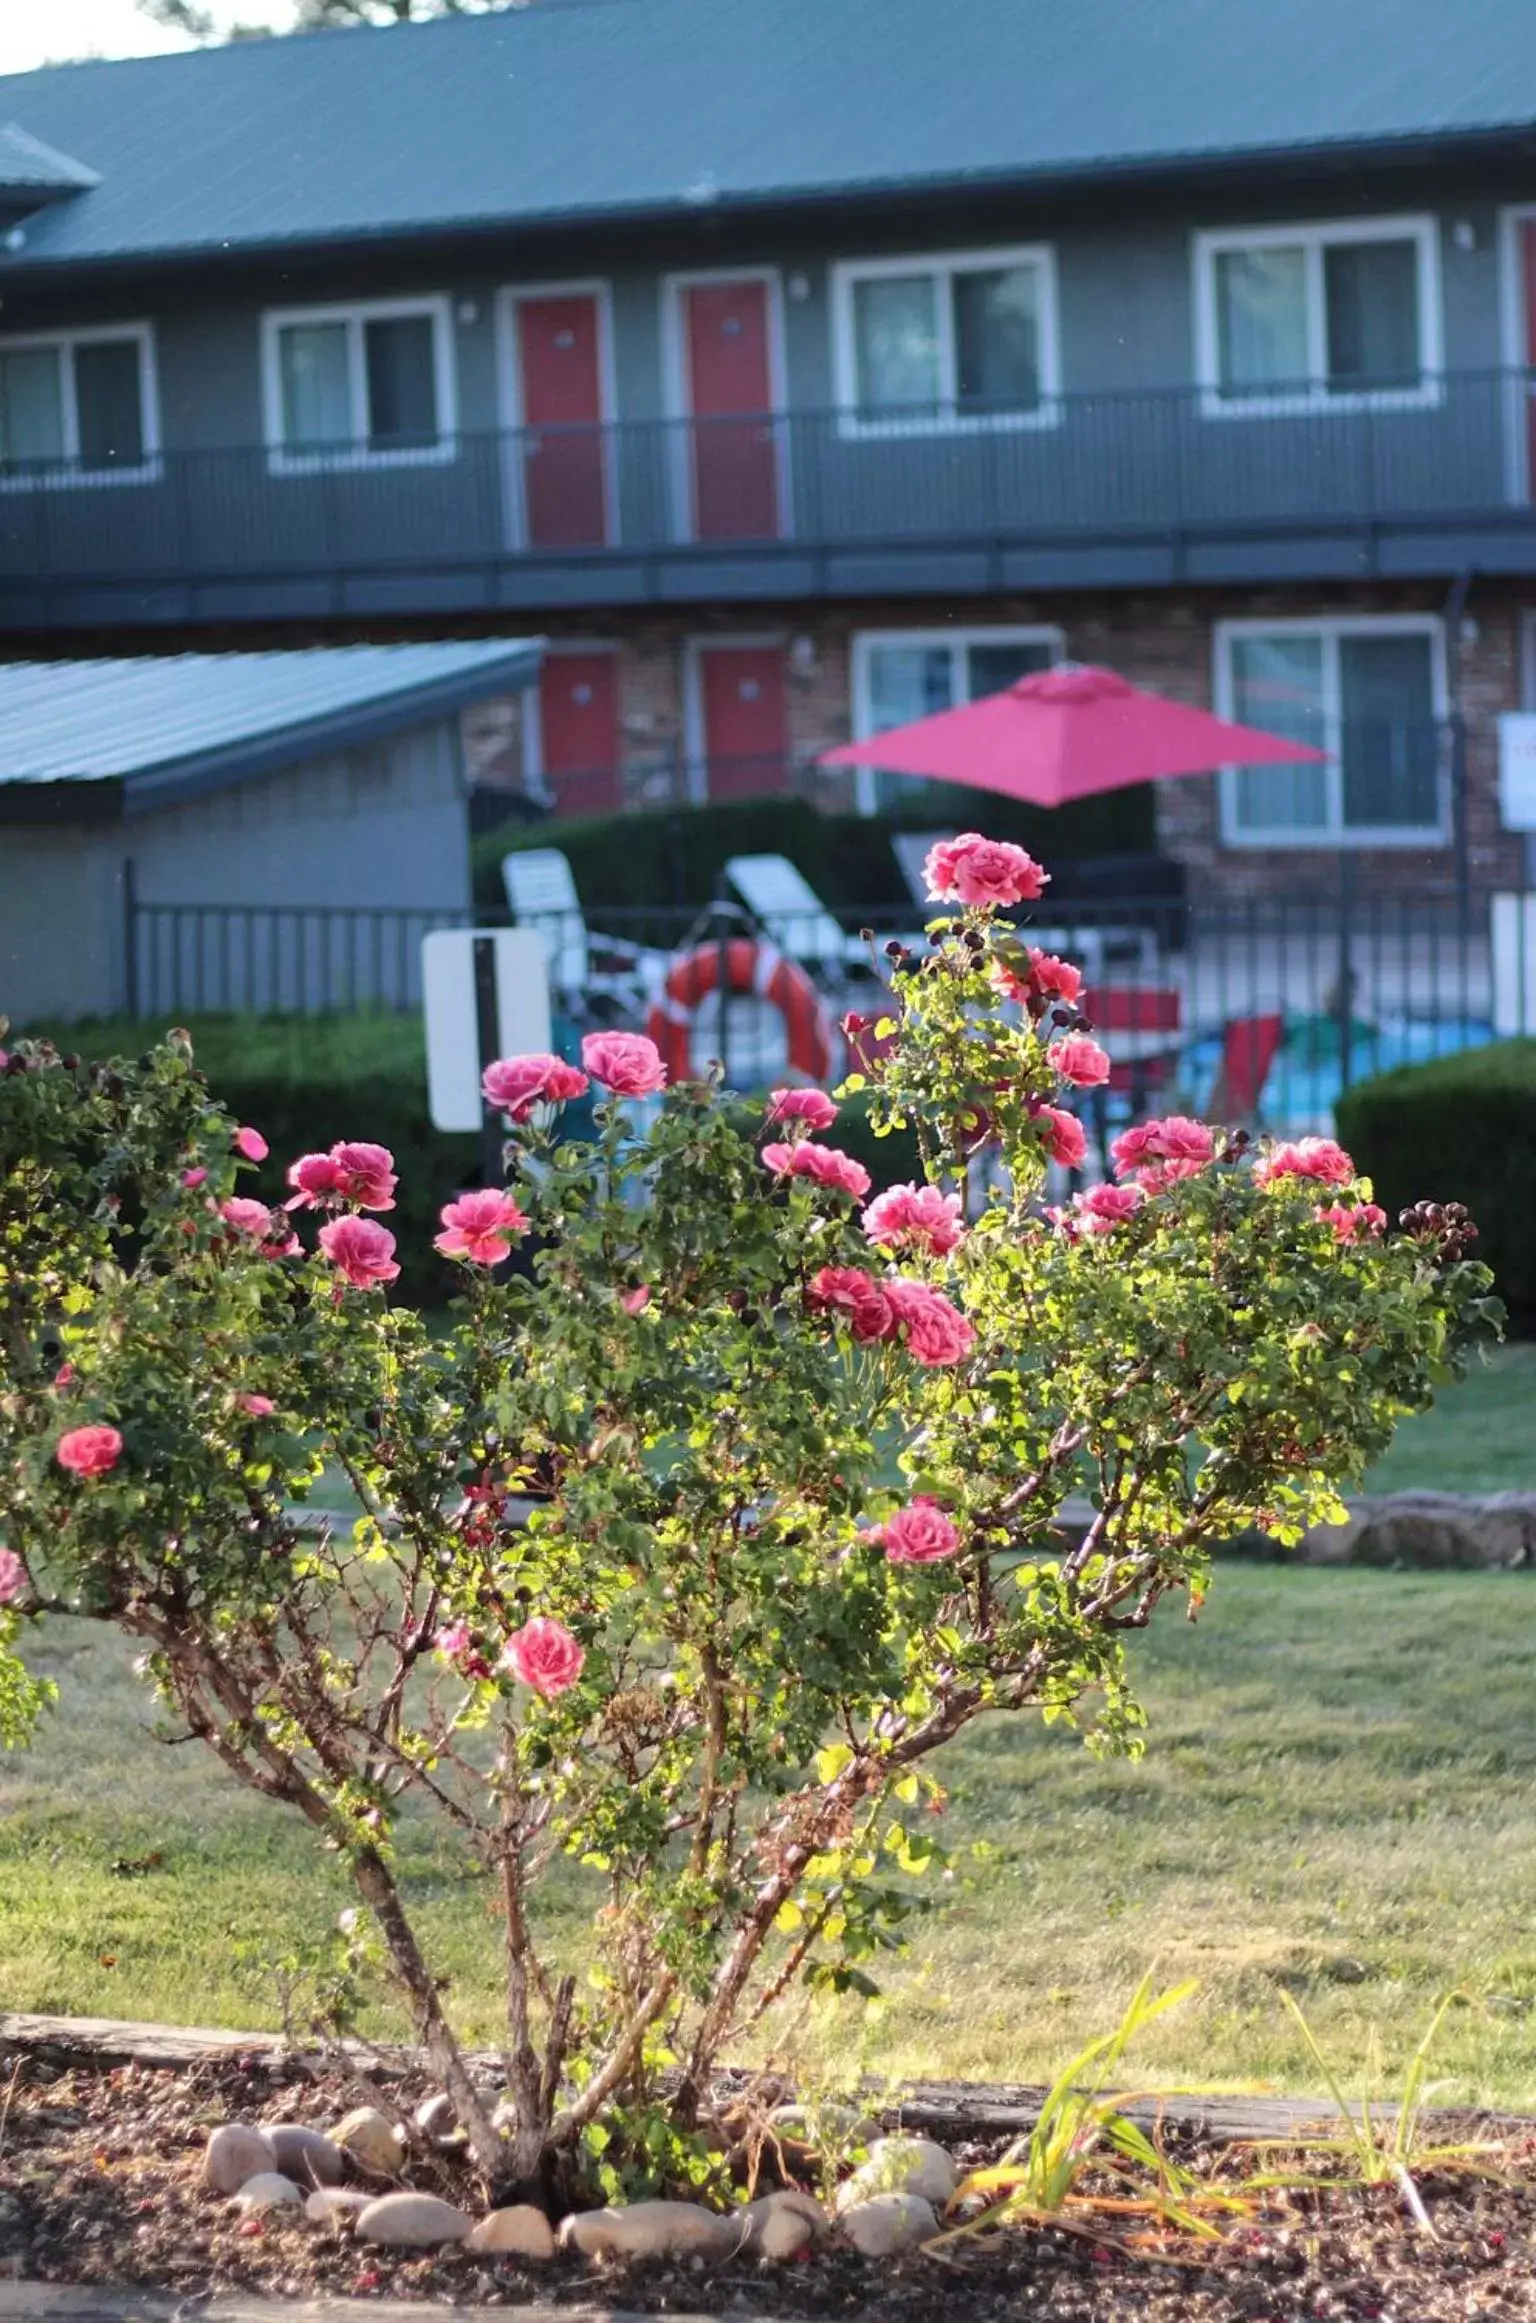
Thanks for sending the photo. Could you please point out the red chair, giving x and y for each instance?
(1249, 1046)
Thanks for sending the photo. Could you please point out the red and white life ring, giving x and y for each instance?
(749, 967)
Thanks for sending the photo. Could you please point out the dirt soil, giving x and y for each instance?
(100, 2184)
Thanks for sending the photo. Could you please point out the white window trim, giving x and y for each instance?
(148, 470)
(1514, 350)
(678, 403)
(510, 393)
(854, 427)
(867, 642)
(695, 734)
(1313, 238)
(1335, 838)
(283, 460)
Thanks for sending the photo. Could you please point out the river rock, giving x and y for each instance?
(411, 2222)
(901, 2165)
(652, 2230)
(782, 2225)
(367, 2137)
(336, 2205)
(820, 2124)
(887, 2223)
(269, 2190)
(435, 2119)
(236, 2152)
(306, 2155)
(519, 2232)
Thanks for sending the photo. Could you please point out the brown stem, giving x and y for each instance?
(567, 2126)
(524, 2080)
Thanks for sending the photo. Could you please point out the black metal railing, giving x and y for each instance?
(1265, 1006)
(1153, 462)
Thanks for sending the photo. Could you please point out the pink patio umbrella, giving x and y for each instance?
(1068, 733)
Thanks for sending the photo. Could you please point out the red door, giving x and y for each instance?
(579, 731)
(741, 700)
(735, 464)
(563, 454)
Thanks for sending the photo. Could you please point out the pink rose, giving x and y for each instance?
(259, 1224)
(452, 1640)
(1176, 1138)
(1105, 1207)
(64, 1376)
(89, 1451)
(251, 1143)
(982, 871)
(480, 1226)
(1065, 1139)
(1080, 1061)
(259, 1407)
(1309, 1157)
(515, 1085)
(365, 1174)
(1054, 977)
(914, 1218)
(317, 1179)
(625, 1062)
(636, 1301)
(191, 1179)
(937, 1333)
(360, 1251)
(825, 1163)
(920, 1534)
(12, 1576)
(544, 1655)
(811, 1108)
(847, 1291)
(1368, 1218)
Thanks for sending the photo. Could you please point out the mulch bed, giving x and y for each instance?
(100, 2185)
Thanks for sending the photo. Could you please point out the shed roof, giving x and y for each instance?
(166, 730)
(599, 108)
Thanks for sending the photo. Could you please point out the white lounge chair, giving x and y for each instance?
(790, 912)
(592, 974)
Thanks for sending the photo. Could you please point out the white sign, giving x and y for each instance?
(521, 975)
(1517, 770)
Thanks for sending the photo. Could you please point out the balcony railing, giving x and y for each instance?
(1121, 468)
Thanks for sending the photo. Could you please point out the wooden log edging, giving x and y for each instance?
(101, 2303)
(940, 2109)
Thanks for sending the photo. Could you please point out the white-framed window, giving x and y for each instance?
(901, 674)
(952, 340)
(1342, 315)
(79, 407)
(365, 385)
(1371, 691)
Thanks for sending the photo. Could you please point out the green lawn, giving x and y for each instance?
(1478, 1438)
(1337, 1798)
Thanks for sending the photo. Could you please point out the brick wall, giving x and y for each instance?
(1160, 639)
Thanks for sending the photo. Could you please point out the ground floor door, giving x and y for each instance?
(732, 446)
(578, 731)
(741, 730)
(561, 447)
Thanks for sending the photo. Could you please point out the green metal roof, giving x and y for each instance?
(594, 109)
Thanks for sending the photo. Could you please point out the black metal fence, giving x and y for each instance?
(1151, 461)
(1264, 1005)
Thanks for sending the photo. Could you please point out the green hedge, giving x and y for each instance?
(307, 1081)
(670, 859)
(1462, 1129)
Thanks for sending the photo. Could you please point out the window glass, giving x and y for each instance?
(989, 668)
(402, 382)
(317, 401)
(906, 682)
(1371, 297)
(108, 403)
(1277, 684)
(896, 342)
(1261, 319)
(1390, 743)
(31, 405)
(997, 353)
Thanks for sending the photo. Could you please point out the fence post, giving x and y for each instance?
(487, 1034)
(1345, 1002)
(723, 975)
(130, 938)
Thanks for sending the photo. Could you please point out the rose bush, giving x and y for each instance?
(699, 1532)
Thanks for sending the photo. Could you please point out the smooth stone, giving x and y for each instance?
(368, 2138)
(815, 2124)
(236, 2152)
(652, 2230)
(782, 2225)
(435, 2118)
(304, 2154)
(269, 2190)
(888, 2223)
(330, 2205)
(520, 2232)
(411, 2222)
(901, 2165)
